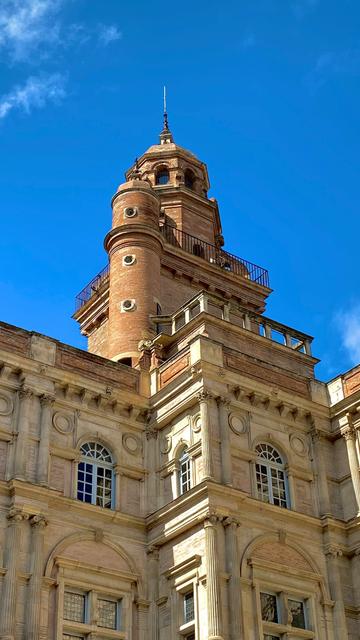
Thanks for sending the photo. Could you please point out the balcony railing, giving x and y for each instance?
(214, 255)
(236, 315)
(196, 247)
(91, 288)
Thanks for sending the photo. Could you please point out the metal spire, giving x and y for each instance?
(165, 135)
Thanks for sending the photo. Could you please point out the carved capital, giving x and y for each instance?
(223, 401)
(47, 400)
(211, 519)
(315, 434)
(231, 522)
(17, 515)
(151, 433)
(348, 432)
(38, 522)
(153, 552)
(204, 395)
(333, 551)
(25, 393)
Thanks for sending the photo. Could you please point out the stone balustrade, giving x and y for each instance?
(233, 313)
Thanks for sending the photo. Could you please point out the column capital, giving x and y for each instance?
(153, 551)
(333, 551)
(47, 400)
(211, 519)
(17, 515)
(223, 401)
(348, 432)
(151, 433)
(38, 522)
(25, 393)
(346, 421)
(204, 395)
(231, 522)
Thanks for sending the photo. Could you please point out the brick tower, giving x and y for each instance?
(164, 246)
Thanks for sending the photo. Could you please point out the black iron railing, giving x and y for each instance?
(195, 246)
(91, 288)
(215, 255)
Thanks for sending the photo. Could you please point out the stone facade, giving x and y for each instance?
(210, 490)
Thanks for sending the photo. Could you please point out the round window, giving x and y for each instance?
(128, 260)
(130, 212)
(128, 305)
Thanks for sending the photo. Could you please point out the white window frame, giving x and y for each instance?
(86, 459)
(260, 461)
(184, 458)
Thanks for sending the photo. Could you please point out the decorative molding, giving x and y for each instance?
(63, 422)
(196, 423)
(38, 521)
(204, 395)
(298, 444)
(165, 444)
(6, 404)
(132, 444)
(17, 515)
(239, 423)
(183, 567)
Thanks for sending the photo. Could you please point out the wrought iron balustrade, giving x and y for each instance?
(215, 255)
(91, 288)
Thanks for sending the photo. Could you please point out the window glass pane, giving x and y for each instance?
(185, 473)
(189, 612)
(103, 487)
(107, 610)
(268, 607)
(84, 485)
(262, 482)
(74, 606)
(297, 611)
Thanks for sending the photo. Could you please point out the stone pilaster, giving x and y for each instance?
(9, 590)
(151, 458)
(46, 403)
(323, 489)
(333, 553)
(38, 525)
(355, 564)
(204, 398)
(349, 434)
(153, 591)
(212, 579)
(25, 398)
(226, 470)
(233, 568)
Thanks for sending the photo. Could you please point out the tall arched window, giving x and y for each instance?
(271, 481)
(184, 472)
(95, 475)
(162, 176)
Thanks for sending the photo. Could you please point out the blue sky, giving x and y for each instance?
(266, 92)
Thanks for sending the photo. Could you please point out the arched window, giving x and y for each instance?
(162, 176)
(184, 472)
(271, 481)
(189, 179)
(95, 475)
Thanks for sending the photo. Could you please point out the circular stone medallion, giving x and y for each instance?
(6, 405)
(63, 422)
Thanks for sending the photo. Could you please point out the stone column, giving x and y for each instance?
(348, 432)
(355, 565)
(332, 554)
(204, 397)
(153, 594)
(38, 524)
(9, 588)
(25, 397)
(319, 465)
(46, 403)
(151, 459)
(226, 470)
(212, 579)
(233, 568)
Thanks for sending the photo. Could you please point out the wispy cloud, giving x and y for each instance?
(28, 27)
(34, 94)
(301, 8)
(331, 63)
(108, 33)
(348, 325)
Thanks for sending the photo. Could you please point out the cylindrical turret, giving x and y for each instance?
(134, 246)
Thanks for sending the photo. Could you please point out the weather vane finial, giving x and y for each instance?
(165, 135)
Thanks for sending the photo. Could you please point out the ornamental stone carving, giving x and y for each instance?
(132, 443)
(239, 424)
(6, 404)
(63, 422)
(298, 444)
(166, 444)
(38, 522)
(196, 423)
(204, 395)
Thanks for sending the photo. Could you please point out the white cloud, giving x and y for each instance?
(108, 34)
(26, 26)
(34, 94)
(348, 324)
(330, 63)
